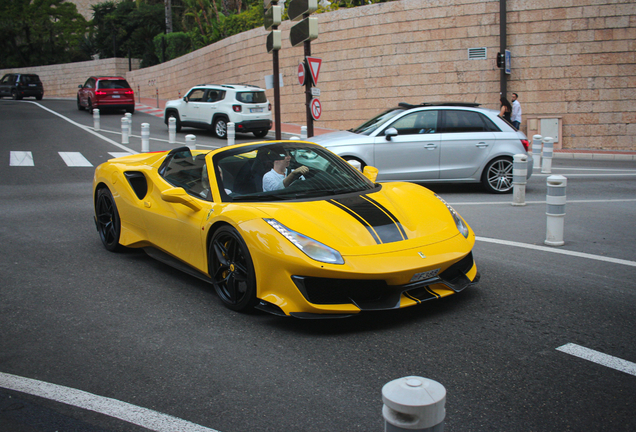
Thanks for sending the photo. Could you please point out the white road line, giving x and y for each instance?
(589, 175)
(144, 417)
(75, 159)
(543, 202)
(119, 154)
(599, 358)
(558, 251)
(21, 158)
(87, 129)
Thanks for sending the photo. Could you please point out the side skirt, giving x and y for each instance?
(175, 263)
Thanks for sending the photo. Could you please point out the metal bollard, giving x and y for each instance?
(536, 151)
(96, 122)
(303, 132)
(124, 130)
(519, 180)
(555, 210)
(231, 134)
(548, 147)
(145, 137)
(172, 130)
(413, 404)
(191, 142)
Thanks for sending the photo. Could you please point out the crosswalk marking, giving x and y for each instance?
(119, 154)
(21, 158)
(75, 159)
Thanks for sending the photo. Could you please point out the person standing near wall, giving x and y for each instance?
(516, 112)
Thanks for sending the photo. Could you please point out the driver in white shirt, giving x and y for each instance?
(276, 178)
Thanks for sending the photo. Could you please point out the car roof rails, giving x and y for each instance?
(244, 85)
(426, 104)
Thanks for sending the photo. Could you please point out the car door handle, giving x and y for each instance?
(481, 145)
(430, 146)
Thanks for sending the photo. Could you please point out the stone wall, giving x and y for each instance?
(574, 60)
(62, 80)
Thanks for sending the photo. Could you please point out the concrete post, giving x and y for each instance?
(124, 130)
(191, 142)
(555, 210)
(548, 147)
(303, 132)
(96, 122)
(172, 130)
(145, 137)
(231, 134)
(536, 151)
(519, 180)
(413, 404)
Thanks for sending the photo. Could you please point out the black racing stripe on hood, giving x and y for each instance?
(391, 215)
(372, 216)
(359, 219)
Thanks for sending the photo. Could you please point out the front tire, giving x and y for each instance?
(107, 220)
(232, 270)
(174, 115)
(220, 128)
(497, 176)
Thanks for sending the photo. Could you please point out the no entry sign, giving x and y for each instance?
(315, 108)
(301, 73)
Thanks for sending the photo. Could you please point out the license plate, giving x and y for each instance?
(32, 85)
(253, 110)
(116, 96)
(424, 275)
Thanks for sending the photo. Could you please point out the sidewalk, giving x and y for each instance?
(288, 130)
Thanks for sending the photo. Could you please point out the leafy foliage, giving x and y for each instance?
(172, 45)
(40, 32)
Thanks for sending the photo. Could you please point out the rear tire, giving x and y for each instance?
(260, 134)
(79, 105)
(15, 95)
(497, 176)
(220, 128)
(107, 220)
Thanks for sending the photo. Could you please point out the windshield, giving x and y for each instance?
(370, 126)
(281, 171)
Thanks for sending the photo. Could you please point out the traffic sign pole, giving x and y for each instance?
(308, 96)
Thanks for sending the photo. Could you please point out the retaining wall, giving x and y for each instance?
(573, 60)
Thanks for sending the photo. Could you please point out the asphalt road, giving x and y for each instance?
(125, 327)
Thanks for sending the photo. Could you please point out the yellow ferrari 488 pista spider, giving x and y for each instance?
(286, 227)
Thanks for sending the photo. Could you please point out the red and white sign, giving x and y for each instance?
(301, 73)
(314, 64)
(316, 109)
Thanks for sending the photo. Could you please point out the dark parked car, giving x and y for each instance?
(106, 92)
(21, 85)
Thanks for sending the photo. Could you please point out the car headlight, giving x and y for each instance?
(312, 248)
(461, 226)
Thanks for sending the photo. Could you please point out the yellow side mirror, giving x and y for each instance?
(370, 172)
(179, 196)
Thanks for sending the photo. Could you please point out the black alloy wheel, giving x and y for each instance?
(497, 177)
(107, 220)
(232, 271)
(15, 95)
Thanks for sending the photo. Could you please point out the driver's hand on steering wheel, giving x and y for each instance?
(300, 171)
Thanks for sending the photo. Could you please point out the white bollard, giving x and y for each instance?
(172, 130)
(295, 138)
(231, 134)
(124, 130)
(191, 142)
(96, 122)
(519, 180)
(303, 132)
(145, 137)
(413, 404)
(555, 210)
(356, 164)
(548, 147)
(536, 151)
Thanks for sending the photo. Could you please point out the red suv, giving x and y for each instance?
(106, 92)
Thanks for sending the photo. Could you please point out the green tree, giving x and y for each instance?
(40, 32)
